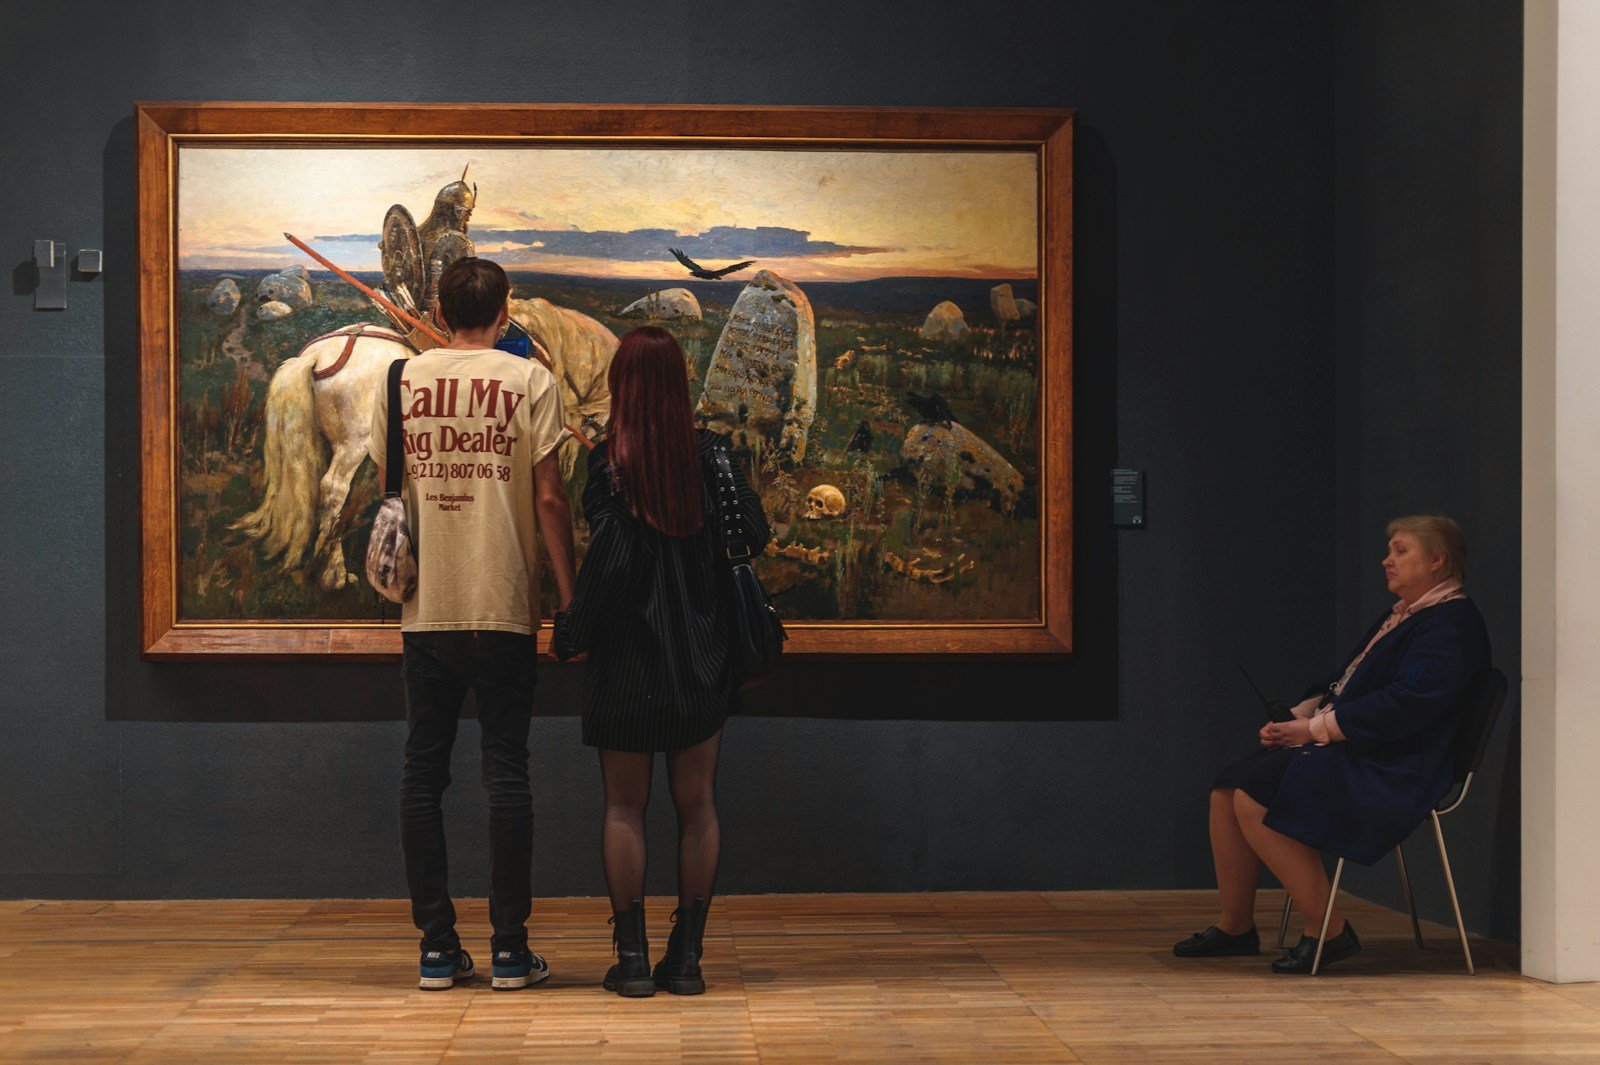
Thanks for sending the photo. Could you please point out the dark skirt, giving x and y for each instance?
(1258, 774)
(643, 724)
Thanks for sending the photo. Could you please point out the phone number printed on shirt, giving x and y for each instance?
(458, 470)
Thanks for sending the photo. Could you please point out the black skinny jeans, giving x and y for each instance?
(439, 668)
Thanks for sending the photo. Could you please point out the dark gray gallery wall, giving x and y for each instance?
(1429, 362)
(1204, 347)
(1206, 337)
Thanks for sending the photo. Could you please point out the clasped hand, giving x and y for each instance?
(1280, 734)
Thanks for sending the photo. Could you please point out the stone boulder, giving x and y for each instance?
(761, 386)
(1027, 308)
(290, 285)
(667, 305)
(224, 298)
(934, 451)
(273, 309)
(1004, 305)
(944, 322)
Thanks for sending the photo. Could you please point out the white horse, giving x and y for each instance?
(580, 354)
(308, 480)
(317, 425)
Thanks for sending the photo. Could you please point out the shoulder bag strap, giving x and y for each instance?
(733, 544)
(393, 448)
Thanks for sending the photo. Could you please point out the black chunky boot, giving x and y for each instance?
(630, 977)
(679, 970)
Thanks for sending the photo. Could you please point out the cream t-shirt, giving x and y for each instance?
(474, 425)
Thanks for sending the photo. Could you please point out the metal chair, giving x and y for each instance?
(1483, 700)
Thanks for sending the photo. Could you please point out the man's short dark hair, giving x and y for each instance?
(472, 293)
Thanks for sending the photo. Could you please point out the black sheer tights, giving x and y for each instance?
(692, 777)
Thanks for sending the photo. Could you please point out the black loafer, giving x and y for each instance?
(1215, 943)
(1301, 955)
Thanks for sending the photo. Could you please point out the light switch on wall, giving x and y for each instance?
(51, 260)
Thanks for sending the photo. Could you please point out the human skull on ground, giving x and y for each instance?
(824, 501)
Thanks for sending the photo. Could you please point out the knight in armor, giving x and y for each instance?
(414, 257)
(452, 210)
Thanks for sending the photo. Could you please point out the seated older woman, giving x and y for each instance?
(1360, 763)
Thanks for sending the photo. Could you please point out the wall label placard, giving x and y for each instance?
(1127, 498)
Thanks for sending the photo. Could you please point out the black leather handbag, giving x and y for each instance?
(757, 632)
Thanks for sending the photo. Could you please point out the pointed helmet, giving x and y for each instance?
(458, 193)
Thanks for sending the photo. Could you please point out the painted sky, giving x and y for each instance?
(807, 215)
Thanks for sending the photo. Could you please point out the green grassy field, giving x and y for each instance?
(903, 550)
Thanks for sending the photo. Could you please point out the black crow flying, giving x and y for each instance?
(932, 407)
(709, 275)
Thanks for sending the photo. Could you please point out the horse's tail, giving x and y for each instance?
(286, 521)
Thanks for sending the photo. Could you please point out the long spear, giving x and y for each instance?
(394, 312)
(416, 323)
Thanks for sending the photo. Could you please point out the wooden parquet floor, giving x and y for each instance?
(1018, 977)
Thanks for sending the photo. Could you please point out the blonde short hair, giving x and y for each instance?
(1438, 535)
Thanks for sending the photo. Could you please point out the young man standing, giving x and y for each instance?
(480, 431)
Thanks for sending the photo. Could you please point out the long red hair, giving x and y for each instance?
(654, 449)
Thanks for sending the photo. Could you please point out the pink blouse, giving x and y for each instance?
(1324, 725)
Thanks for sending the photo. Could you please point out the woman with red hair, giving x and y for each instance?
(652, 612)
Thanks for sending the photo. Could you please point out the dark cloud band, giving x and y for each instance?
(645, 245)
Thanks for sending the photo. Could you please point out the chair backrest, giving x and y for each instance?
(1481, 705)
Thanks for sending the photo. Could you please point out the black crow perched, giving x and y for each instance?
(709, 275)
(932, 407)
(862, 441)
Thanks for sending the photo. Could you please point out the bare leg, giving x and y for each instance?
(692, 775)
(622, 840)
(1298, 867)
(1238, 867)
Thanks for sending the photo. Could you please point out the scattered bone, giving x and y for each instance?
(812, 556)
(929, 574)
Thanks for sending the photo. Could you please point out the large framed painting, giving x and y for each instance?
(875, 304)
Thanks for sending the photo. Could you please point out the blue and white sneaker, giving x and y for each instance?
(517, 968)
(444, 969)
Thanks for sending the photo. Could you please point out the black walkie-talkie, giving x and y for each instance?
(1275, 711)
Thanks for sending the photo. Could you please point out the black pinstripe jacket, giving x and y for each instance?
(651, 611)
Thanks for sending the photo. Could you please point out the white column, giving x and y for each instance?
(1561, 491)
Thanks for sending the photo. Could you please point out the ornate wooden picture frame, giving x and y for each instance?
(934, 543)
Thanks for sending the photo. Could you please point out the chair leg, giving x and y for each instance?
(1455, 904)
(1411, 898)
(1327, 916)
(1283, 929)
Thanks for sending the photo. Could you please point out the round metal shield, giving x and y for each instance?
(402, 256)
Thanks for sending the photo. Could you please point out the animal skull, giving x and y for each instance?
(824, 501)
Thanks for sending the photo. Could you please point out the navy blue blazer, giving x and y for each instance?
(1361, 798)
